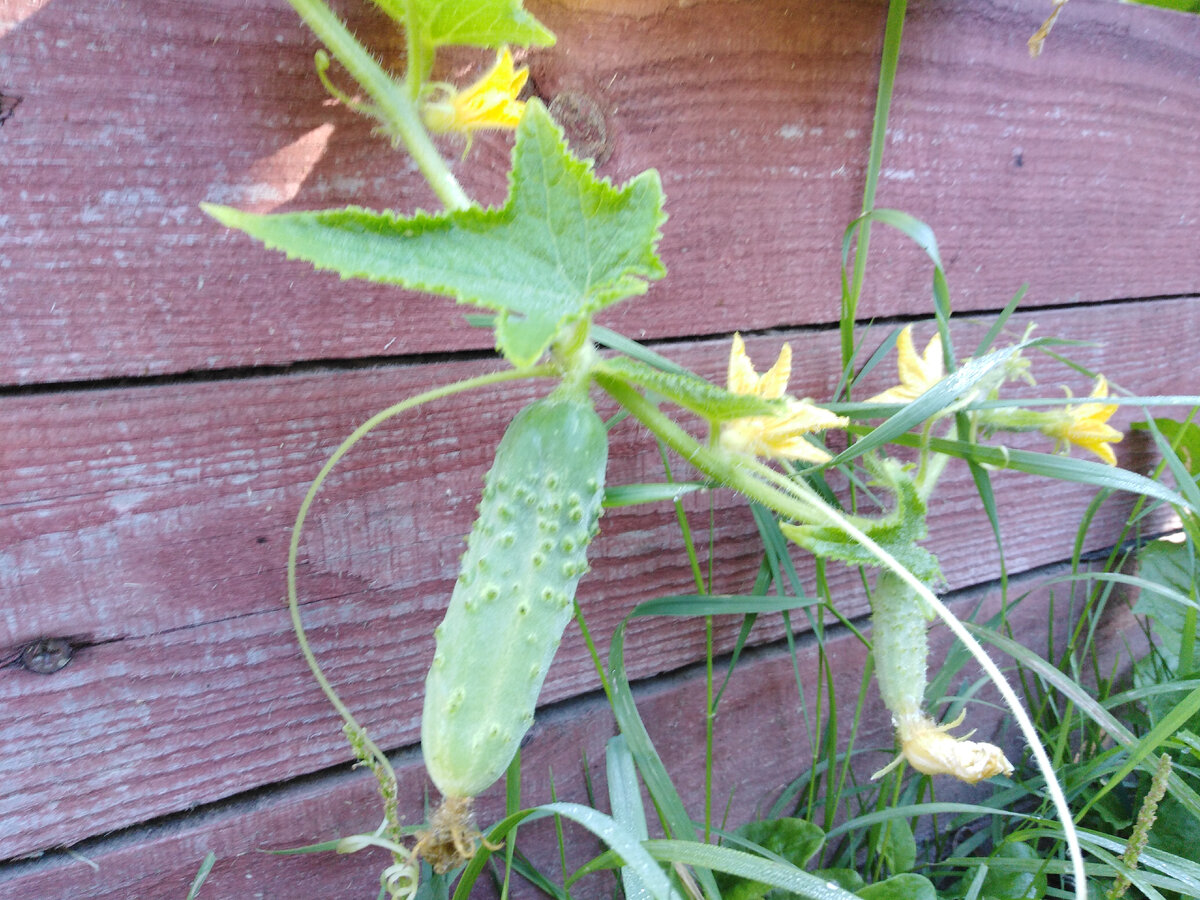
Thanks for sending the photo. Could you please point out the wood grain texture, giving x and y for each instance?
(1075, 172)
(158, 552)
(760, 745)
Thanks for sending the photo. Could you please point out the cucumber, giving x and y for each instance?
(515, 592)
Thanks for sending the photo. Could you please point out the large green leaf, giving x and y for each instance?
(472, 23)
(563, 246)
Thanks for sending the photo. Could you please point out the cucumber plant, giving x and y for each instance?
(564, 246)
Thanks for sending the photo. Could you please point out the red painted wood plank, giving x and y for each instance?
(1011, 149)
(759, 125)
(183, 486)
(761, 745)
(134, 525)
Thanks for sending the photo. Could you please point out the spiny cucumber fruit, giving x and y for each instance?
(515, 592)
(898, 634)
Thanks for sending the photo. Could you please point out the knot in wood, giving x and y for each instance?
(582, 121)
(46, 655)
(8, 105)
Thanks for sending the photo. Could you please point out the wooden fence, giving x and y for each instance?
(169, 388)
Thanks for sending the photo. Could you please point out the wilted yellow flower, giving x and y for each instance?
(917, 373)
(932, 750)
(1086, 425)
(1038, 39)
(491, 102)
(780, 436)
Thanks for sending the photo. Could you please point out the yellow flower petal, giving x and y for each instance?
(742, 378)
(773, 384)
(917, 373)
(491, 102)
(781, 436)
(1086, 425)
(930, 749)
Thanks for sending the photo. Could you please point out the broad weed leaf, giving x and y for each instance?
(1185, 436)
(901, 887)
(794, 840)
(1172, 565)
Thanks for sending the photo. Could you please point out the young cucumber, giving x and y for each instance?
(515, 592)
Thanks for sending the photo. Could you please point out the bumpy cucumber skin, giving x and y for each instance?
(515, 592)
(898, 634)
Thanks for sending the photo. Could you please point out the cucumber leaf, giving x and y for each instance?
(470, 23)
(565, 245)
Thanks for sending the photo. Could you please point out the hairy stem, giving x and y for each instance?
(397, 109)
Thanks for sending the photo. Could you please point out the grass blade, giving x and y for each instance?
(625, 800)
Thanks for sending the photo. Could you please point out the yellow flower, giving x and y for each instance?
(932, 750)
(1086, 425)
(780, 436)
(917, 373)
(491, 102)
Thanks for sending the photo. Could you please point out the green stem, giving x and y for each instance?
(733, 472)
(932, 465)
(418, 55)
(710, 716)
(1018, 420)
(298, 527)
(396, 107)
(689, 543)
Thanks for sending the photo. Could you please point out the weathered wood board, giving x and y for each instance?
(167, 573)
(761, 710)
(168, 389)
(1076, 172)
